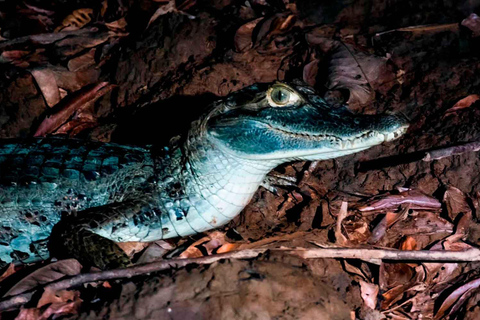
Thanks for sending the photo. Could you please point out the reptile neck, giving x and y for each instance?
(205, 187)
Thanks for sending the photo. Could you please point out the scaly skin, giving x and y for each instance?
(84, 197)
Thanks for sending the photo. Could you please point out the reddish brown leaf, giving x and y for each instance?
(47, 83)
(82, 62)
(71, 104)
(456, 202)
(457, 297)
(310, 72)
(50, 296)
(10, 270)
(464, 103)
(49, 273)
(132, 247)
(243, 39)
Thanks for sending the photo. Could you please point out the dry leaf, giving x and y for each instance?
(132, 247)
(456, 202)
(342, 214)
(50, 296)
(472, 22)
(76, 20)
(164, 9)
(243, 39)
(47, 83)
(82, 62)
(310, 71)
(10, 270)
(464, 103)
(117, 25)
(416, 199)
(48, 273)
(73, 103)
(211, 242)
(455, 299)
(369, 293)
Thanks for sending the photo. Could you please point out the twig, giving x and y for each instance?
(450, 151)
(344, 253)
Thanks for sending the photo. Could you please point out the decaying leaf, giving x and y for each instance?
(10, 270)
(76, 20)
(358, 72)
(472, 22)
(45, 79)
(415, 198)
(49, 273)
(82, 62)
(369, 292)
(464, 103)
(50, 296)
(73, 103)
(310, 71)
(211, 242)
(133, 247)
(342, 214)
(456, 202)
(243, 39)
(455, 299)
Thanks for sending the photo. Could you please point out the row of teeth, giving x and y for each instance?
(345, 144)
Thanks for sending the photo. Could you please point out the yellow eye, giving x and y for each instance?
(279, 96)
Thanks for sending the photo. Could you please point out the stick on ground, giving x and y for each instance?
(343, 253)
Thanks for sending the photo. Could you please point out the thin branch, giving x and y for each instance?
(343, 253)
(450, 151)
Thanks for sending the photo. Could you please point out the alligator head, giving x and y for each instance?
(285, 122)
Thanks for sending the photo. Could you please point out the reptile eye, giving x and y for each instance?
(280, 95)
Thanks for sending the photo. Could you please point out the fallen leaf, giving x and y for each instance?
(116, 25)
(45, 79)
(369, 293)
(310, 71)
(472, 22)
(456, 202)
(162, 10)
(243, 38)
(10, 270)
(342, 214)
(132, 247)
(416, 199)
(50, 296)
(455, 299)
(211, 242)
(82, 62)
(464, 103)
(76, 20)
(46, 274)
(73, 103)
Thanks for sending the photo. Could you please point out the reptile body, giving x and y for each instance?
(94, 195)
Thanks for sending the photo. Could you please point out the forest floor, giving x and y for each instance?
(138, 72)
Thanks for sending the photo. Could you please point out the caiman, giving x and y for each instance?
(79, 198)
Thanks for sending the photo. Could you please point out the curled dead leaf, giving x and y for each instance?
(390, 201)
(464, 103)
(48, 273)
(76, 20)
(243, 39)
(455, 299)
